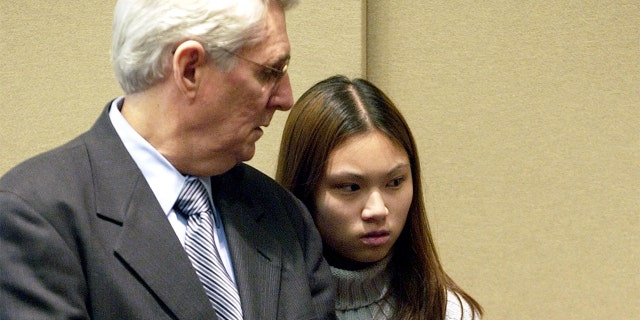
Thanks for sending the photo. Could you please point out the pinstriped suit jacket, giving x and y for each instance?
(82, 236)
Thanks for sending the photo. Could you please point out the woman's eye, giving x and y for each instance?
(349, 187)
(396, 182)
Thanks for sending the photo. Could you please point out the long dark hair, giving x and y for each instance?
(327, 114)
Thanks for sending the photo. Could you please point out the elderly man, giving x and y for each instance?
(151, 214)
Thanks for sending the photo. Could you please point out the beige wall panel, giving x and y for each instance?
(527, 116)
(56, 76)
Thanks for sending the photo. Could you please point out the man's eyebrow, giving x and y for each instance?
(282, 59)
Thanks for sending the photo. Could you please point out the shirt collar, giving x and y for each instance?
(163, 178)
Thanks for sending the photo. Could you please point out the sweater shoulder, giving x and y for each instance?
(458, 308)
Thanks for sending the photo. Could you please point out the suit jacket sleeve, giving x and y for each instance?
(41, 275)
(323, 291)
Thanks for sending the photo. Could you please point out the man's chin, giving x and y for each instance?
(248, 153)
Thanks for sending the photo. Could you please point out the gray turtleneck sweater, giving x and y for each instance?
(361, 295)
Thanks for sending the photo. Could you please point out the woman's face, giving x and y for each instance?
(364, 197)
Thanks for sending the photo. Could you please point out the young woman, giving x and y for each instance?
(349, 155)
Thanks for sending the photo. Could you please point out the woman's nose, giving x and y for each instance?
(375, 208)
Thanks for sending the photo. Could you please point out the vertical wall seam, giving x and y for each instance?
(365, 39)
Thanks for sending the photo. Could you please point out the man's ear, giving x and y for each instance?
(188, 61)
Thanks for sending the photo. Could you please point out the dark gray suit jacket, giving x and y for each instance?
(82, 236)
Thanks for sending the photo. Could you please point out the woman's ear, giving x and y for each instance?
(189, 59)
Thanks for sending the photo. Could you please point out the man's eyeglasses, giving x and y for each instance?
(267, 75)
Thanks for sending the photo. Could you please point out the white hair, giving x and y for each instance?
(145, 32)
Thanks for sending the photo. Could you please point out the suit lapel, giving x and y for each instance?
(147, 244)
(256, 255)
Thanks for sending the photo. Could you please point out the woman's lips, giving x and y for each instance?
(375, 238)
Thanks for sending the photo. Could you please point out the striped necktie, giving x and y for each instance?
(194, 204)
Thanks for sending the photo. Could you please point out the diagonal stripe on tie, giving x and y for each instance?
(194, 204)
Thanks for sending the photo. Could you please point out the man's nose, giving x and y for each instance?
(282, 95)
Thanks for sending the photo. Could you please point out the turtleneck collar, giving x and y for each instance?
(362, 294)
